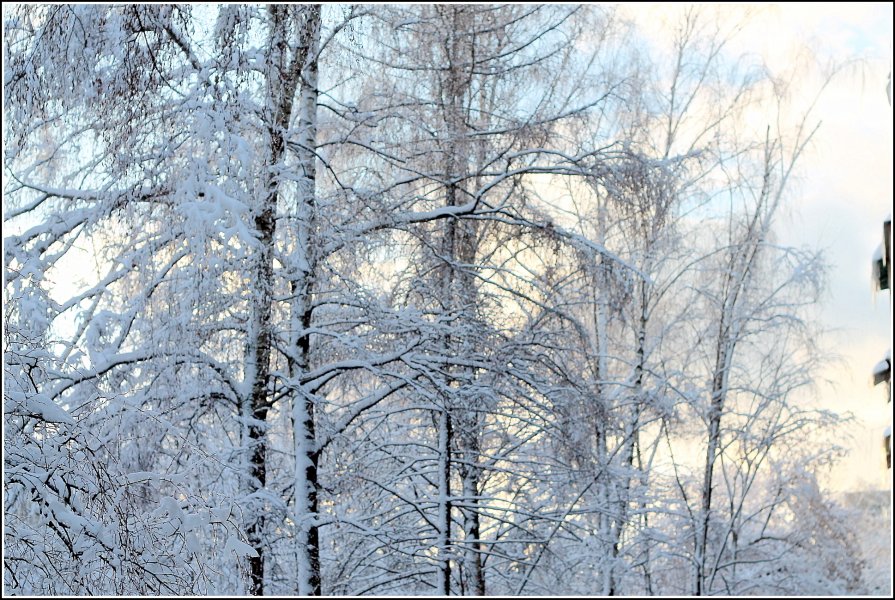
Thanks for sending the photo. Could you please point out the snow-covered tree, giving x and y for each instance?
(463, 299)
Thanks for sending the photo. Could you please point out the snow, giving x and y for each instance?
(40, 404)
(431, 361)
(239, 547)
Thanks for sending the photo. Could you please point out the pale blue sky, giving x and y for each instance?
(841, 196)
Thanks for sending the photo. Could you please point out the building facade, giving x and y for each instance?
(882, 372)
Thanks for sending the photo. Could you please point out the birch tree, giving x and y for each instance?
(454, 299)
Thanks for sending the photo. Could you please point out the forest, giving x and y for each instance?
(409, 299)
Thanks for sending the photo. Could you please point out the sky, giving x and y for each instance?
(839, 202)
(843, 197)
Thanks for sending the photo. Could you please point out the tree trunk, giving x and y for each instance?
(444, 503)
(631, 439)
(469, 474)
(283, 75)
(714, 441)
(302, 267)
